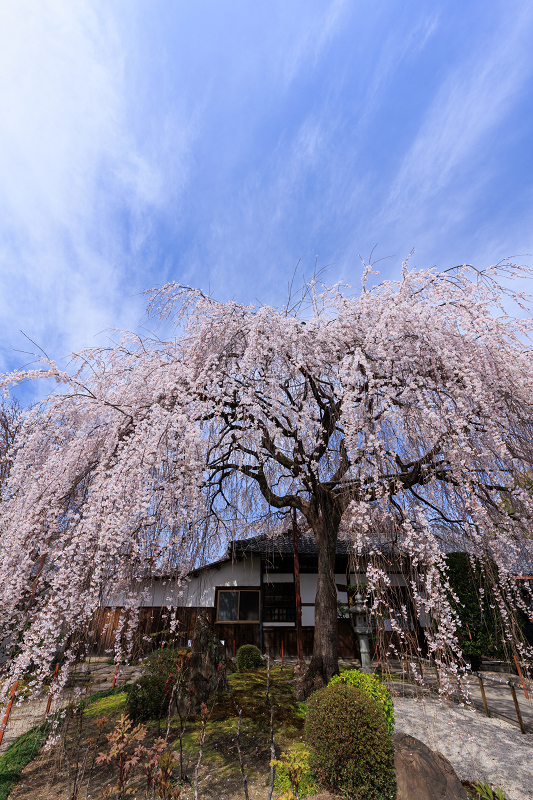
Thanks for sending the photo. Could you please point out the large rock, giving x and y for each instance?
(207, 669)
(423, 774)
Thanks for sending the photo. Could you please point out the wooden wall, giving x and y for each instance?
(273, 637)
(153, 629)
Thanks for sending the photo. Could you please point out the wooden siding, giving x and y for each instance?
(153, 628)
(273, 637)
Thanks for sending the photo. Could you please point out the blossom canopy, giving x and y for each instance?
(400, 416)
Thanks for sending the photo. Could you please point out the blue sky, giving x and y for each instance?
(220, 142)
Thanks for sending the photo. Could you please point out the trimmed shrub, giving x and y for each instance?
(372, 686)
(293, 773)
(149, 697)
(249, 657)
(351, 746)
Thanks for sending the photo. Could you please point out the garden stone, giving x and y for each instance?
(422, 773)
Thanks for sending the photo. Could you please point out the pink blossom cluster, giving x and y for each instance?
(399, 419)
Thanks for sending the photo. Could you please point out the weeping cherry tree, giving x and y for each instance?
(399, 416)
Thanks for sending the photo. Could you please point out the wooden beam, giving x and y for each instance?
(299, 643)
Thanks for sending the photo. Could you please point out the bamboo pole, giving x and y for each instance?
(8, 710)
(49, 703)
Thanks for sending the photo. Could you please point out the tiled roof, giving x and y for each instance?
(279, 544)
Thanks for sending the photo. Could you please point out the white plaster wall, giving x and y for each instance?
(155, 593)
(278, 577)
(164, 593)
(200, 591)
(395, 579)
(268, 625)
(308, 584)
(308, 615)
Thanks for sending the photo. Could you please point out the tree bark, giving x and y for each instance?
(324, 662)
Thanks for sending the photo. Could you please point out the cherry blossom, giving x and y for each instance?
(398, 418)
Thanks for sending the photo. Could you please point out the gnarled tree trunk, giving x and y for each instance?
(324, 662)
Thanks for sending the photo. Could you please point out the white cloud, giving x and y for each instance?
(70, 170)
(316, 33)
(473, 100)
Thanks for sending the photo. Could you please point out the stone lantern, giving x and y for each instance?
(360, 612)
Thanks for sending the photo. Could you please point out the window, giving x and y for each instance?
(238, 605)
(279, 602)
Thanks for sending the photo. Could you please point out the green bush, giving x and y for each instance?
(351, 745)
(249, 657)
(481, 632)
(149, 697)
(293, 773)
(372, 686)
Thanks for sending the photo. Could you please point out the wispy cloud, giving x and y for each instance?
(70, 171)
(453, 140)
(219, 143)
(317, 32)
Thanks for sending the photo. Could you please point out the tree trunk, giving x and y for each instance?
(324, 663)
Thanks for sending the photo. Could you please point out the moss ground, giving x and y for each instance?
(50, 773)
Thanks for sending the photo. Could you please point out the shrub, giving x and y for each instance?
(249, 657)
(293, 774)
(372, 686)
(481, 632)
(351, 745)
(149, 697)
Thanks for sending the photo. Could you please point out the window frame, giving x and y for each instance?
(238, 589)
(285, 605)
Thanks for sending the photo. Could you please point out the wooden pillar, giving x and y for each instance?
(517, 708)
(8, 710)
(483, 696)
(54, 678)
(261, 604)
(521, 677)
(299, 642)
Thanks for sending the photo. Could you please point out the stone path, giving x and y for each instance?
(26, 714)
(498, 695)
(479, 748)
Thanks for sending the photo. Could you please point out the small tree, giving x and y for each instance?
(481, 632)
(396, 419)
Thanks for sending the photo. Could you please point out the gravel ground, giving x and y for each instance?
(479, 748)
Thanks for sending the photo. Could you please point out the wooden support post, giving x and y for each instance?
(39, 570)
(299, 643)
(483, 697)
(517, 708)
(234, 648)
(49, 703)
(282, 661)
(115, 675)
(8, 710)
(521, 677)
